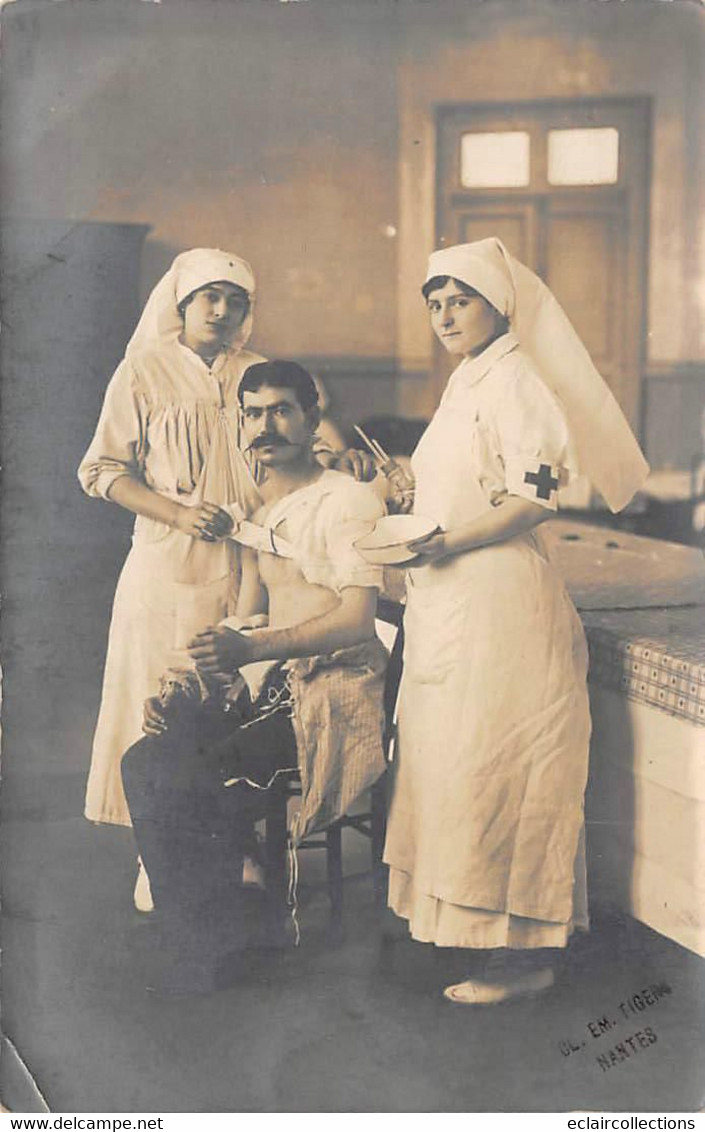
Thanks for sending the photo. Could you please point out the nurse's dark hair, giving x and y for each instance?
(438, 282)
(239, 292)
(280, 375)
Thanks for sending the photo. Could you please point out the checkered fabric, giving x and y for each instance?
(338, 720)
(653, 656)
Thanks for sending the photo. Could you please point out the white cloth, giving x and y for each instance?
(487, 804)
(452, 925)
(321, 523)
(607, 452)
(172, 423)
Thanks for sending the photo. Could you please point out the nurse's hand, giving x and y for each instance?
(355, 463)
(400, 503)
(220, 651)
(433, 548)
(204, 521)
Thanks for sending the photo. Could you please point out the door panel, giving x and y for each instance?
(513, 221)
(584, 267)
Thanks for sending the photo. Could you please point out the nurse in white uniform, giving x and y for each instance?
(167, 448)
(485, 833)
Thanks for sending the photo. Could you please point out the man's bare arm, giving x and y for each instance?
(252, 597)
(349, 623)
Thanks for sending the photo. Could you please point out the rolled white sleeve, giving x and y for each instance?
(533, 440)
(117, 448)
(353, 520)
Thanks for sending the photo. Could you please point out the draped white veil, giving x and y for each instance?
(605, 447)
(161, 321)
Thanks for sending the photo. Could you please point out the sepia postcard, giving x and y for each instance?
(531, 938)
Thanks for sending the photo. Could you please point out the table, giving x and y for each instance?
(642, 603)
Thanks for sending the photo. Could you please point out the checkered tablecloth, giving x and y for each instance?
(655, 656)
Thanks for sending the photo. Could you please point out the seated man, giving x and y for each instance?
(198, 782)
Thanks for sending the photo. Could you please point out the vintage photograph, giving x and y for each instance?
(353, 591)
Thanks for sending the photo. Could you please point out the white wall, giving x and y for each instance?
(265, 128)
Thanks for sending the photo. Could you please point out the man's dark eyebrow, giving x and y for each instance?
(263, 408)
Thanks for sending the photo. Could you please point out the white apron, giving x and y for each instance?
(171, 587)
(491, 766)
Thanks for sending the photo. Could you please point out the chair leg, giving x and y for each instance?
(276, 845)
(378, 824)
(334, 869)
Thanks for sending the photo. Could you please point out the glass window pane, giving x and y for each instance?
(583, 157)
(494, 161)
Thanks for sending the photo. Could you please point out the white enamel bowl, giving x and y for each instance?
(387, 544)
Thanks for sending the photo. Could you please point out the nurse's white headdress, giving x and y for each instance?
(605, 447)
(161, 321)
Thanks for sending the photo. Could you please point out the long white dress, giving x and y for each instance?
(485, 825)
(172, 422)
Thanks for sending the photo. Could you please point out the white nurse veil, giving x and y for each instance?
(161, 322)
(606, 449)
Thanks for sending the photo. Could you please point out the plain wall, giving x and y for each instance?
(301, 135)
(262, 128)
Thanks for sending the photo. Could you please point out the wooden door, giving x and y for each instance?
(587, 240)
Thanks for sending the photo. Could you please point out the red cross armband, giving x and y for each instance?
(535, 479)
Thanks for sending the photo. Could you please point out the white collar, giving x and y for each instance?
(308, 494)
(219, 361)
(472, 370)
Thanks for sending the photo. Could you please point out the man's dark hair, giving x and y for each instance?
(280, 375)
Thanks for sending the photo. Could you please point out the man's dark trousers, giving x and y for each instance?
(192, 831)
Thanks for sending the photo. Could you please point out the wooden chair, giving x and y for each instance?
(370, 824)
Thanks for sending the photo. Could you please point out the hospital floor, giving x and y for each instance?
(357, 1027)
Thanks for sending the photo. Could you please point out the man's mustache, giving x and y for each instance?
(267, 441)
